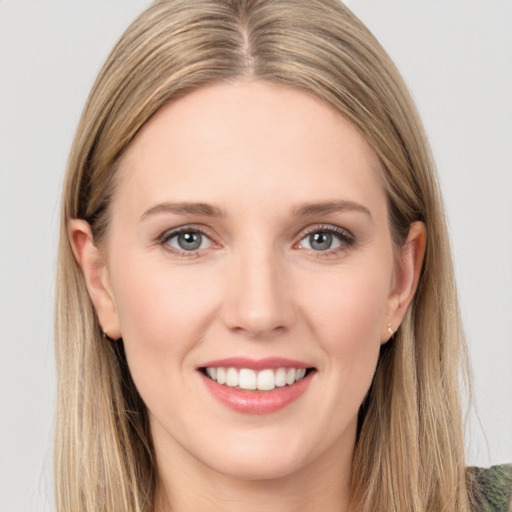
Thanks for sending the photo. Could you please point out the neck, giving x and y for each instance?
(322, 485)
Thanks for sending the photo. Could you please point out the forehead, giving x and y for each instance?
(247, 139)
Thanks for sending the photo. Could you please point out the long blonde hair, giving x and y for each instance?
(409, 453)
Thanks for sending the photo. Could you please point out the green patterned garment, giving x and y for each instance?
(493, 488)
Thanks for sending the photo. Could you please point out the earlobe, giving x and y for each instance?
(96, 276)
(408, 272)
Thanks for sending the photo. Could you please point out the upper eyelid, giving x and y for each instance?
(331, 228)
(169, 233)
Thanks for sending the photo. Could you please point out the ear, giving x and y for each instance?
(407, 274)
(96, 276)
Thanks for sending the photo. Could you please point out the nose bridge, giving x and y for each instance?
(258, 301)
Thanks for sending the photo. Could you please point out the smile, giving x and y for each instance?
(251, 386)
(249, 379)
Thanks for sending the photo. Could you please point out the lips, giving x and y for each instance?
(256, 386)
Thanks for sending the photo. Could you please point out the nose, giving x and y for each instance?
(258, 300)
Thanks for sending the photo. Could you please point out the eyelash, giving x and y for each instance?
(346, 239)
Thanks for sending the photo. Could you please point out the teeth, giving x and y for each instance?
(231, 377)
(221, 376)
(212, 373)
(263, 380)
(247, 379)
(266, 380)
(281, 377)
(290, 376)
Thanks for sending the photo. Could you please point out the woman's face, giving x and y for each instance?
(249, 241)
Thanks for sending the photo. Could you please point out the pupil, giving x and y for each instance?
(189, 241)
(321, 241)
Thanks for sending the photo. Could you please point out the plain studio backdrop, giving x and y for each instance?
(455, 56)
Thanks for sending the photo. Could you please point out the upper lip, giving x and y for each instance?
(255, 364)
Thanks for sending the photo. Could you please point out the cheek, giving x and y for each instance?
(163, 315)
(351, 302)
(162, 312)
(347, 310)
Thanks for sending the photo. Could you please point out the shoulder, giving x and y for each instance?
(492, 488)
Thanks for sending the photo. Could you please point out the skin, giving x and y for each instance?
(257, 288)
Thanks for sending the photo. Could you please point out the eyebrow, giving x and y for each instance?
(327, 207)
(208, 210)
(183, 209)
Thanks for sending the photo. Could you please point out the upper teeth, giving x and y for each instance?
(263, 380)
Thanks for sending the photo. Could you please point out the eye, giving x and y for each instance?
(186, 240)
(326, 239)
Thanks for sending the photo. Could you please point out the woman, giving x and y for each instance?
(256, 306)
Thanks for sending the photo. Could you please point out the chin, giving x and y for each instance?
(262, 457)
(263, 469)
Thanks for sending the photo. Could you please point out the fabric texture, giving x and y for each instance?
(493, 488)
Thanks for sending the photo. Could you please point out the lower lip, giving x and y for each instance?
(257, 402)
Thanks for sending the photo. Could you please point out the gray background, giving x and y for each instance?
(457, 58)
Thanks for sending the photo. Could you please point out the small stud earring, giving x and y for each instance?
(391, 332)
(107, 337)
